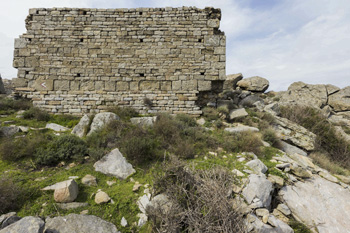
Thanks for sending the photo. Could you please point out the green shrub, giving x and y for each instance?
(186, 119)
(125, 113)
(242, 142)
(269, 136)
(210, 114)
(23, 147)
(299, 227)
(65, 120)
(7, 104)
(62, 148)
(168, 128)
(37, 114)
(10, 195)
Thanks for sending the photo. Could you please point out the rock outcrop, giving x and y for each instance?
(256, 84)
(25, 225)
(340, 101)
(102, 119)
(81, 128)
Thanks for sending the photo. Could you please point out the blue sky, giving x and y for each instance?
(282, 40)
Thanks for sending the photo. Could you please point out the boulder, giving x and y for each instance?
(289, 131)
(340, 101)
(143, 121)
(257, 166)
(283, 208)
(56, 127)
(143, 203)
(78, 223)
(302, 161)
(231, 80)
(161, 202)
(101, 197)
(252, 101)
(327, 176)
(290, 149)
(255, 83)
(276, 180)
(259, 190)
(9, 131)
(89, 180)
(237, 113)
(81, 128)
(301, 172)
(102, 119)
(3, 217)
(239, 128)
(65, 191)
(254, 223)
(280, 226)
(25, 225)
(305, 94)
(123, 222)
(319, 204)
(114, 164)
(9, 219)
(331, 89)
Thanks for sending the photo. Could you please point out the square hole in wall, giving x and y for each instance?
(200, 40)
(27, 72)
(142, 75)
(202, 73)
(140, 13)
(82, 40)
(78, 75)
(141, 40)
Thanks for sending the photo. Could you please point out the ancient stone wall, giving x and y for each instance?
(85, 60)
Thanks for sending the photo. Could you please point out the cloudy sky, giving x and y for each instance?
(282, 40)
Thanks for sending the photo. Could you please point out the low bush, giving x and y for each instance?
(37, 114)
(210, 114)
(327, 139)
(125, 113)
(198, 200)
(23, 147)
(269, 135)
(7, 104)
(63, 148)
(65, 120)
(10, 195)
(242, 142)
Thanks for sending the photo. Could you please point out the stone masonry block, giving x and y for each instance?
(61, 85)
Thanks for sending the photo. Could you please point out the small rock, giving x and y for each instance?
(40, 178)
(200, 121)
(101, 197)
(9, 131)
(283, 208)
(89, 180)
(237, 172)
(257, 166)
(102, 119)
(345, 179)
(136, 187)
(238, 113)
(241, 128)
(84, 212)
(67, 191)
(123, 222)
(262, 212)
(282, 165)
(56, 127)
(23, 129)
(110, 183)
(276, 180)
(241, 159)
(300, 172)
(26, 225)
(142, 219)
(74, 177)
(143, 121)
(143, 202)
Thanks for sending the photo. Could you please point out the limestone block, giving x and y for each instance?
(19, 82)
(213, 23)
(189, 85)
(149, 85)
(42, 84)
(204, 85)
(20, 43)
(61, 85)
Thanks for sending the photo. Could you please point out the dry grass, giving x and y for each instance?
(200, 200)
(325, 162)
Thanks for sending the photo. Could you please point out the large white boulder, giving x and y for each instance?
(114, 164)
(255, 83)
(340, 101)
(25, 225)
(81, 128)
(258, 191)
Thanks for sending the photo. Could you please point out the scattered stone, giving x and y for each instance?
(72, 205)
(276, 180)
(345, 179)
(160, 202)
(241, 159)
(255, 83)
(84, 212)
(300, 172)
(278, 214)
(201, 121)
(143, 121)
(74, 177)
(239, 128)
(123, 222)
(114, 164)
(136, 187)
(3, 217)
(101, 197)
(56, 127)
(273, 109)
(258, 188)
(81, 128)
(284, 209)
(9, 219)
(143, 203)
(262, 212)
(142, 219)
(102, 119)
(89, 180)
(257, 166)
(78, 223)
(237, 172)
(279, 225)
(40, 179)
(9, 131)
(303, 161)
(23, 129)
(110, 183)
(66, 191)
(237, 113)
(25, 225)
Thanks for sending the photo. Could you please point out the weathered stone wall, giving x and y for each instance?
(85, 60)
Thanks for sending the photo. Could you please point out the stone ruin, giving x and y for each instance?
(153, 59)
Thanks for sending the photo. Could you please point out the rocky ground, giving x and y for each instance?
(278, 186)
